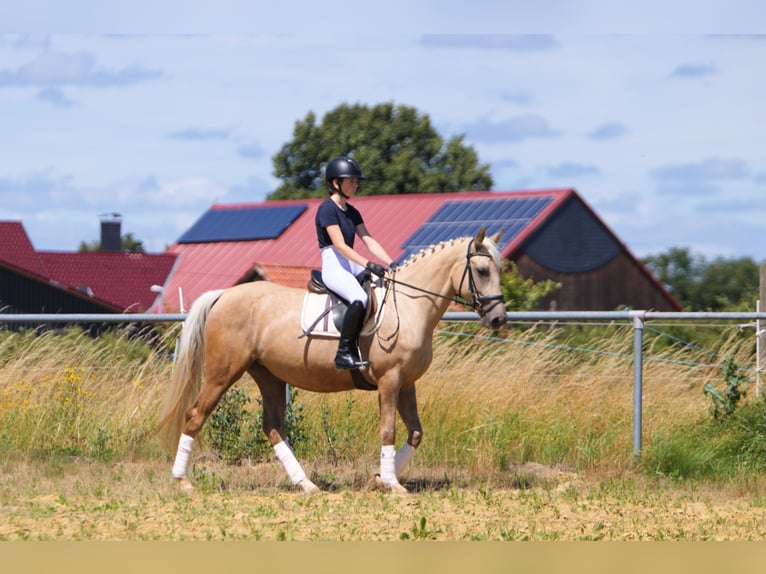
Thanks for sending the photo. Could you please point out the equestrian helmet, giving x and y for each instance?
(342, 168)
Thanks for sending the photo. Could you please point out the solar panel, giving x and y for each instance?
(461, 218)
(242, 224)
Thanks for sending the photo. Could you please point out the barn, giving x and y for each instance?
(549, 234)
(106, 281)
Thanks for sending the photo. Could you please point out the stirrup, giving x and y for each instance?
(347, 362)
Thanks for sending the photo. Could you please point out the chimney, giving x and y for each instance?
(111, 239)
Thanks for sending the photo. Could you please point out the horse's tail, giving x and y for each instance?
(187, 374)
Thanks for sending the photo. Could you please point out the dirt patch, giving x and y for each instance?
(82, 500)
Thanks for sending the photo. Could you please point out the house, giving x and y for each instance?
(549, 234)
(106, 281)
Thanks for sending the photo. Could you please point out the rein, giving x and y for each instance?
(477, 299)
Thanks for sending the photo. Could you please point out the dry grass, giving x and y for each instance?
(72, 393)
(524, 440)
(485, 403)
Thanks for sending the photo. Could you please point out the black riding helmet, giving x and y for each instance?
(341, 168)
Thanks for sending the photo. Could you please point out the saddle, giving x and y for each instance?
(323, 310)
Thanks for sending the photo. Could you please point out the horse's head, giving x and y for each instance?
(480, 281)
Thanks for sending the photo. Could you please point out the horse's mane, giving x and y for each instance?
(488, 243)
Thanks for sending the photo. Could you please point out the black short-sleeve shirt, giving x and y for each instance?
(330, 214)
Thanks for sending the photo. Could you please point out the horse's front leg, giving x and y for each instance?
(388, 397)
(274, 395)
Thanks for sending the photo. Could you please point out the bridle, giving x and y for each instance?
(482, 304)
(478, 301)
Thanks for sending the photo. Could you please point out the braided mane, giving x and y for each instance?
(431, 249)
(488, 243)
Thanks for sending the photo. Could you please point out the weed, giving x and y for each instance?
(338, 437)
(227, 425)
(102, 449)
(420, 531)
(725, 402)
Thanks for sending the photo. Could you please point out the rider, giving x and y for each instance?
(337, 223)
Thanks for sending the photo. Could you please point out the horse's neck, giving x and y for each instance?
(432, 271)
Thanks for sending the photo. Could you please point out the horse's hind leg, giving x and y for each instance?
(274, 394)
(218, 379)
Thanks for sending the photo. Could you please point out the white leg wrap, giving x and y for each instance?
(287, 458)
(403, 457)
(183, 455)
(387, 464)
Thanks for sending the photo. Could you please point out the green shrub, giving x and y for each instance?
(715, 449)
(235, 431)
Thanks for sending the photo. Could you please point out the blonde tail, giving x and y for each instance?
(187, 374)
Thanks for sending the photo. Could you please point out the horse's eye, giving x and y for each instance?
(483, 271)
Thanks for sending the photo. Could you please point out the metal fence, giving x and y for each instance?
(638, 320)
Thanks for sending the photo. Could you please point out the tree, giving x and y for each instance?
(396, 146)
(702, 285)
(523, 294)
(127, 243)
(728, 283)
(680, 271)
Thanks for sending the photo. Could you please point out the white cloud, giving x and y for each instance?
(201, 134)
(609, 131)
(708, 169)
(159, 126)
(55, 97)
(693, 71)
(58, 69)
(574, 170)
(509, 42)
(515, 129)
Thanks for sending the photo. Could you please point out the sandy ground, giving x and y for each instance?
(82, 500)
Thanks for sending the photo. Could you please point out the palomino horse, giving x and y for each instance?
(255, 328)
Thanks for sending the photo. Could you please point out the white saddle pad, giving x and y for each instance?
(316, 305)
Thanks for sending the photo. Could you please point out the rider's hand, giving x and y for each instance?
(378, 270)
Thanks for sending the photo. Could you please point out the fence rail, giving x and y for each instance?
(637, 318)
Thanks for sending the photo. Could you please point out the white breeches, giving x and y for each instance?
(339, 274)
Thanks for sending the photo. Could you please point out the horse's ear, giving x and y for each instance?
(498, 236)
(479, 239)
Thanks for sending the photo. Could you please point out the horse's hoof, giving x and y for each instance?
(185, 485)
(307, 486)
(397, 488)
(394, 488)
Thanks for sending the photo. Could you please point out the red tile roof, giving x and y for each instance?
(121, 280)
(116, 280)
(391, 219)
(17, 251)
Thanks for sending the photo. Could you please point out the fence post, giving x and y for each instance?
(758, 362)
(760, 331)
(638, 385)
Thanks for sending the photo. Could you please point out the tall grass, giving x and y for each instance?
(65, 392)
(488, 404)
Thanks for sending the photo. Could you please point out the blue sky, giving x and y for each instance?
(157, 111)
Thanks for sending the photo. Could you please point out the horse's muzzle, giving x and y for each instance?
(497, 321)
(493, 315)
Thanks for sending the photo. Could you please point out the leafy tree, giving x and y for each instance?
(127, 243)
(679, 270)
(523, 294)
(398, 149)
(702, 285)
(729, 283)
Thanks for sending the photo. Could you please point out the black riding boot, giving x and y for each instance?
(347, 356)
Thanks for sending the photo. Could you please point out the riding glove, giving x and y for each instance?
(378, 270)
